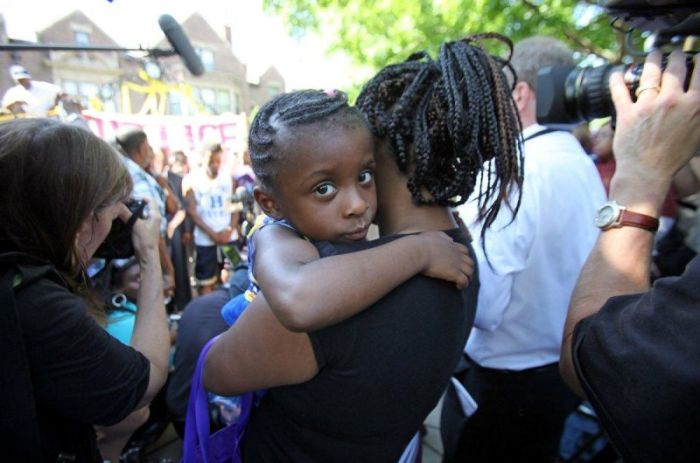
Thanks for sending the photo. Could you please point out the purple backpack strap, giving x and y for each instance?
(199, 445)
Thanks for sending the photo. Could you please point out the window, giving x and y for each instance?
(70, 87)
(92, 95)
(223, 101)
(236, 102)
(208, 97)
(81, 38)
(273, 89)
(174, 104)
(207, 57)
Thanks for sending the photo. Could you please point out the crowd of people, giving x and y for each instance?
(520, 270)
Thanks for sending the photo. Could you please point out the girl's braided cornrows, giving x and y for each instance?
(292, 109)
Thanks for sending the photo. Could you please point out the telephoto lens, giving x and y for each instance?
(571, 95)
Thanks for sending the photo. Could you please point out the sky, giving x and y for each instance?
(259, 40)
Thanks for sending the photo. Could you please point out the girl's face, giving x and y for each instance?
(326, 187)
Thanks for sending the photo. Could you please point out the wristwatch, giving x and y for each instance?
(612, 215)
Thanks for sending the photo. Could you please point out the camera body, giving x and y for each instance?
(570, 95)
(118, 243)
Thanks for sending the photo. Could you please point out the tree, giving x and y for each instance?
(377, 32)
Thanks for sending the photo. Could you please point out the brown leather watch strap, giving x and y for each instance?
(635, 219)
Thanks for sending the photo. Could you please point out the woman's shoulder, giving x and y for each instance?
(47, 301)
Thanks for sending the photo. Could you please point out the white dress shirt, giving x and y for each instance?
(534, 261)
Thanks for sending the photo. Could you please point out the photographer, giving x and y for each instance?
(631, 349)
(61, 188)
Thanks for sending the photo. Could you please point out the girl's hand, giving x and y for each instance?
(145, 233)
(446, 259)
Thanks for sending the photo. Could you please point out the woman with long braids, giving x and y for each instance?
(360, 389)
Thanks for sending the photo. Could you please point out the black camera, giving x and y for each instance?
(118, 243)
(570, 95)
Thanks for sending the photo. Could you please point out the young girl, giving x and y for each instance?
(359, 390)
(313, 157)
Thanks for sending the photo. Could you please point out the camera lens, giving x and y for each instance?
(570, 95)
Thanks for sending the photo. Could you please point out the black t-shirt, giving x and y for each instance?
(80, 374)
(200, 322)
(380, 374)
(638, 361)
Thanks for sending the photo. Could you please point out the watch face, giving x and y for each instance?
(606, 216)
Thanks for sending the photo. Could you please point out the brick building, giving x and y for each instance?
(126, 83)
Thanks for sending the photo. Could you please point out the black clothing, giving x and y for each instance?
(81, 375)
(200, 322)
(178, 252)
(380, 373)
(638, 360)
(536, 402)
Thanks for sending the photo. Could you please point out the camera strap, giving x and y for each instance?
(541, 132)
(19, 411)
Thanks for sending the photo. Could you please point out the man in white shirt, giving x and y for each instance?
(528, 266)
(208, 192)
(35, 97)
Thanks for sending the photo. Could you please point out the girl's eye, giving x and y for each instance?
(325, 190)
(366, 177)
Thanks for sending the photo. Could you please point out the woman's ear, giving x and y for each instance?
(267, 202)
(84, 230)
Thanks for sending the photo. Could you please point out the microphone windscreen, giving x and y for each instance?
(181, 44)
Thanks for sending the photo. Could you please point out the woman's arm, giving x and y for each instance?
(308, 293)
(151, 336)
(257, 352)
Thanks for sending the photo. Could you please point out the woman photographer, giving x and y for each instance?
(60, 189)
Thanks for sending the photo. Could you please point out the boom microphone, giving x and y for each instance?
(181, 44)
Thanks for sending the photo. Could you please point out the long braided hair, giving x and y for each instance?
(266, 141)
(445, 119)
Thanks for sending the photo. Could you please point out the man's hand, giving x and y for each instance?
(223, 237)
(655, 137)
(652, 141)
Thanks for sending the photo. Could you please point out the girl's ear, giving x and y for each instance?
(267, 202)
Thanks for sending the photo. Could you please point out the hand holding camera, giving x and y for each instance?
(570, 94)
(660, 132)
(146, 231)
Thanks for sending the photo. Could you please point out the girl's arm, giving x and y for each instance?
(257, 352)
(307, 293)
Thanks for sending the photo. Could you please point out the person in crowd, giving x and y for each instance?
(528, 264)
(631, 349)
(36, 97)
(208, 192)
(201, 320)
(121, 278)
(138, 155)
(181, 237)
(60, 190)
(359, 390)
(582, 132)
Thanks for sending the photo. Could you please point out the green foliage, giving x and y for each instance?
(378, 32)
